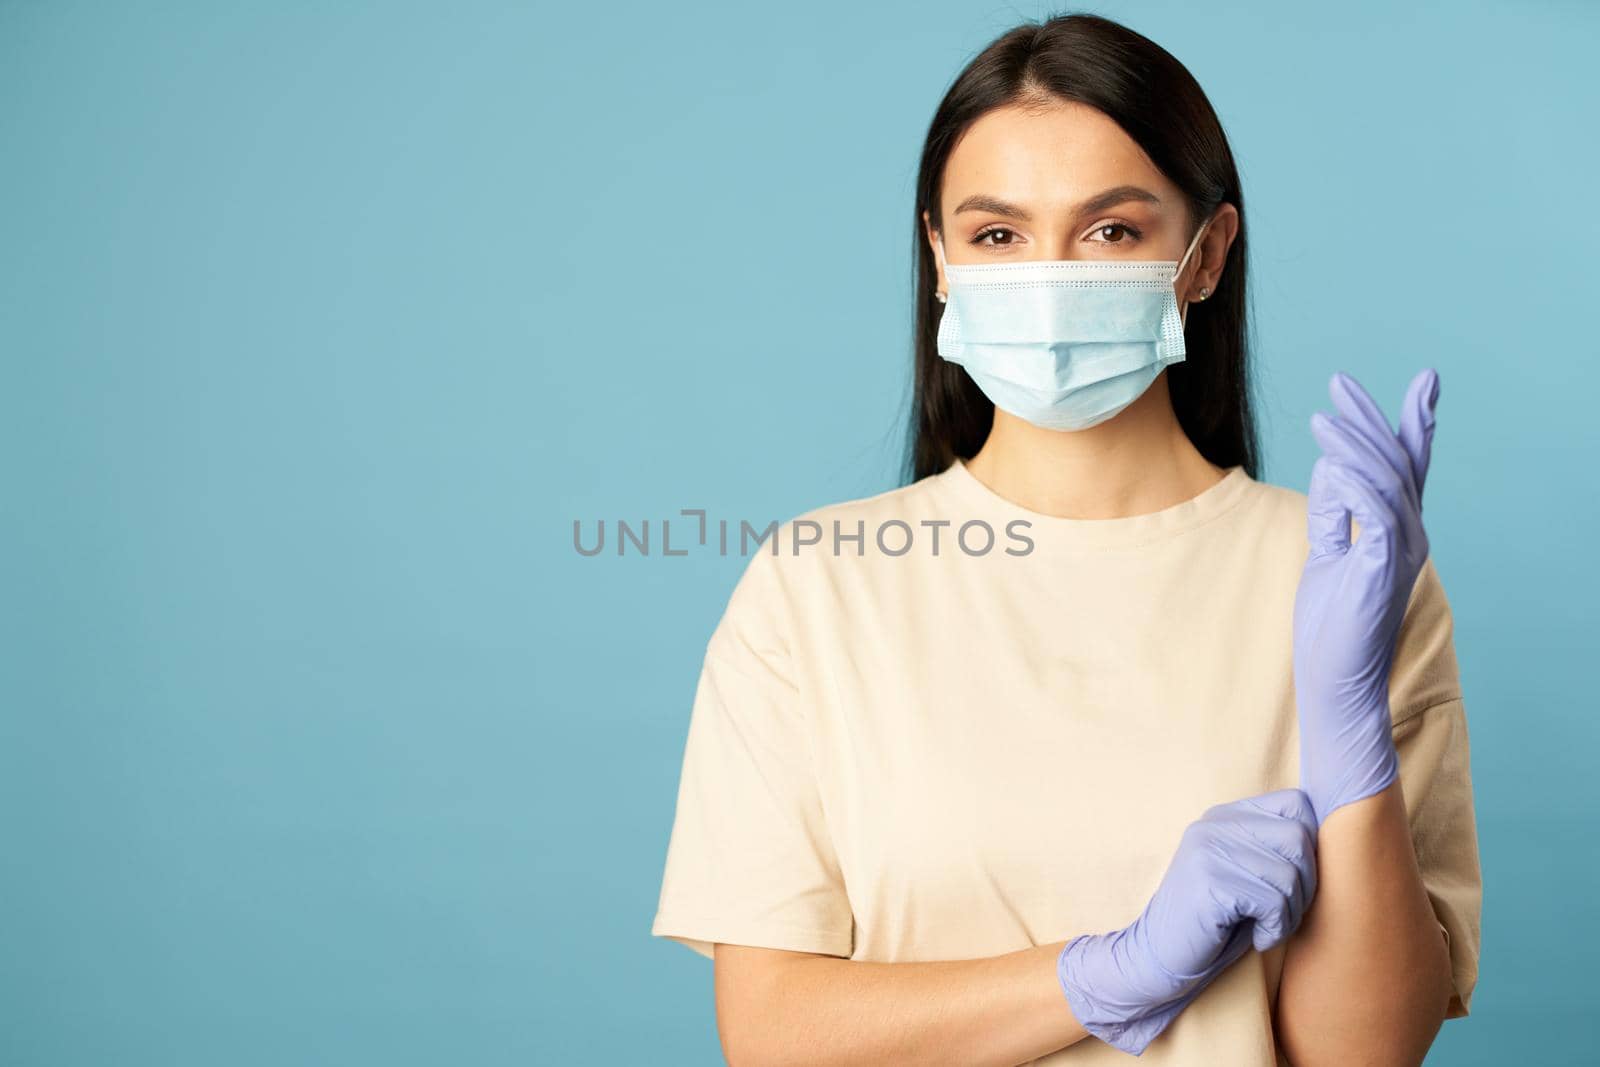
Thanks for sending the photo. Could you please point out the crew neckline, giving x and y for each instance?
(1124, 531)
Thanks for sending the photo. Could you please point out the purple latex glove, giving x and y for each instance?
(1243, 875)
(1352, 597)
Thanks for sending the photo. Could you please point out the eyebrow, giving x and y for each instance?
(1121, 194)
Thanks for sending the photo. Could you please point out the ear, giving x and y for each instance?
(928, 235)
(1213, 251)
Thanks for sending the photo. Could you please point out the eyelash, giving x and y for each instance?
(1129, 230)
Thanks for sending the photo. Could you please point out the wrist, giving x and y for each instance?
(1355, 763)
(1119, 991)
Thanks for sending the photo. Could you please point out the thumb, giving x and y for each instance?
(1327, 517)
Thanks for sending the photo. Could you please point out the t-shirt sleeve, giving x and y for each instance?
(750, 861)
(1430, 736)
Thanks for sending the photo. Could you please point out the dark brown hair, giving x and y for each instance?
(1142, 88)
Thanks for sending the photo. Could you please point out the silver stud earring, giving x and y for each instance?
(939, 296)
(1204, 292)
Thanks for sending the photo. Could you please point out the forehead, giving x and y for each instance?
(1048, 159)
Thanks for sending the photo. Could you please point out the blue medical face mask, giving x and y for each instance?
(1064, 344)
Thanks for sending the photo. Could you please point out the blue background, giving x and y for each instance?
(322, 323)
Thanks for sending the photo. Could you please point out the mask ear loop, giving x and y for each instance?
(1183, 310)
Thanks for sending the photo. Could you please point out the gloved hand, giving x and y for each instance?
(1352, 597)
(1243, 875)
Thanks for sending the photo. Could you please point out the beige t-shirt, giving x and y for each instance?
(897, 754)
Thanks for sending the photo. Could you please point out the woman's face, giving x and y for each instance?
(1068, 183)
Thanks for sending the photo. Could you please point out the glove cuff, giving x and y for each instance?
(1366, 764)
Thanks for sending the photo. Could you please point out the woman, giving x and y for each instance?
(1085, 742)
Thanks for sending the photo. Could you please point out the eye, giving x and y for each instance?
(988, 231)
(1114, 233)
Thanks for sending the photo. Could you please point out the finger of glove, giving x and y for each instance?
(1416, 424)
(1378, 522)
(1285, 856)
(1327, 516)
(1342, 440)
(1291, 803)
(1249, 895)
(1401, 525)
(1367, 421)
(1282, 820)
(1293, 865)
(1288, 836)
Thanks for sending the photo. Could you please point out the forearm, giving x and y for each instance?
(1367, 977)
(995, 1011)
